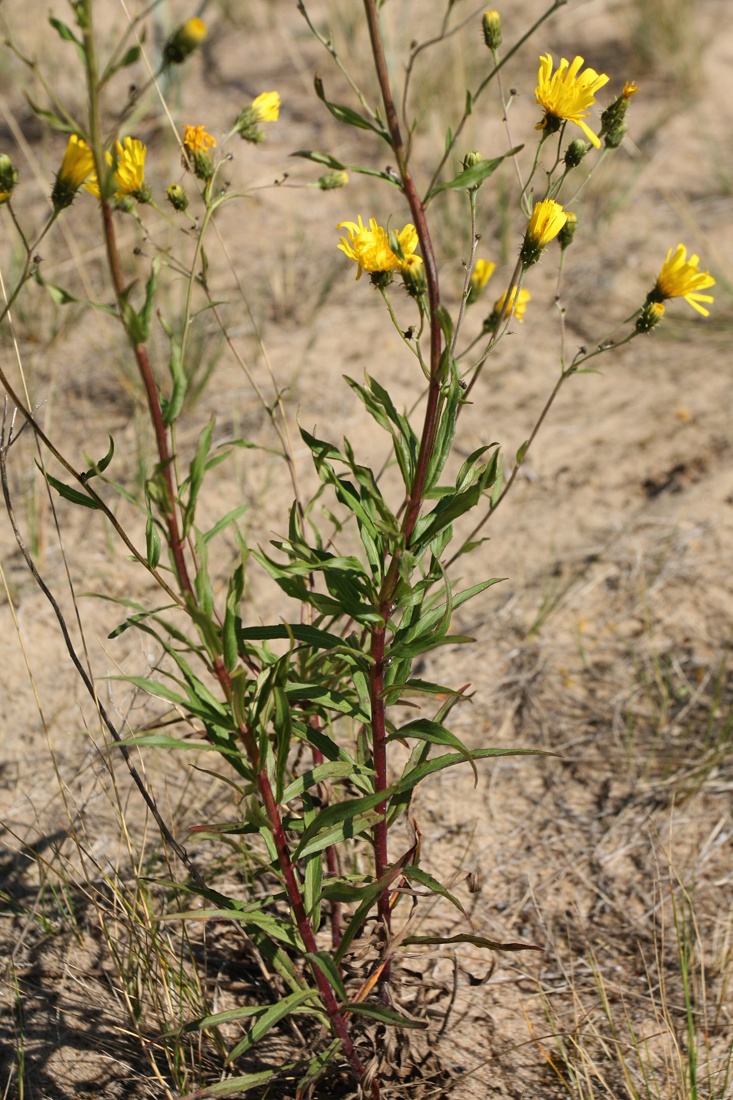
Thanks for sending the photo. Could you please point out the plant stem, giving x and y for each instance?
(415, 495)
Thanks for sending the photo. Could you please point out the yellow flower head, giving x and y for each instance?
(77, 164)
(263, 108)
(369, 247)
(196, 139)
(129, 173)
(548, 218)
(517, 305)
(267, 106)
(630, 88)
(482, 272)
(682, 278)
(566, 95)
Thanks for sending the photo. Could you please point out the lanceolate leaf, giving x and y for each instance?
(268, 1019)
(472, 177)
(477, 941)
(385, 1015)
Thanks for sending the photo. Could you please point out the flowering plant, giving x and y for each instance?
(322, 719)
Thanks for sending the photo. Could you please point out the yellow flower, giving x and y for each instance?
(76, 167)
(129, 173)
(369, 247)
(567, 96)
(548, 218)
(630, 88)
(482, 272)
(196, 139)
(263, 108)
(682, 278)
(267, 107)
(517, 305)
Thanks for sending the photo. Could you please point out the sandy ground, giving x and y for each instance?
(608, 644)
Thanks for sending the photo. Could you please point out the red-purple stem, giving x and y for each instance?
(287, 868)
(415, 497)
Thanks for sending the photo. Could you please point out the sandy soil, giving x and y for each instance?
(608, 645)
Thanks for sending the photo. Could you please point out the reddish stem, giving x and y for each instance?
(427, 440)
(247, 736)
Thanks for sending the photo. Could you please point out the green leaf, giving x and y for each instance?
(436, 734)
(328, 968)
(346, 115)
(412, 777)
(62, 297)
(522, 452)
(232, 618)
(385, 1015)
(64, 31)
(152, 543)
(472, 177)
(416, 874)
(225, 521)
(172, 405)
(129, 58)
(240, 1084)
(68, 493)
(332, 769)
(101, 466)
(268, 1019)
(52, 119)
(196, 476)
(320, 158)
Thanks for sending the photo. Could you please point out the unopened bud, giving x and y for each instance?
(184, 40)
(613, 126)
(650, 316)
(177, 197)
(472, 159)
(566, 234)
(491, 26)
(575, 152)
(8, 177)
(329, 181)
(413, 276)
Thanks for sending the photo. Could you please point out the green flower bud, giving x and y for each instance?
(331, 180)
(491, 26)
(177, 197)
(472, 159)
(575, 152)
(566, 234)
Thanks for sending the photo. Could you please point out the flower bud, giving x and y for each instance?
(413, 276)
(177, 197)
(566, 234)
(613, 126)
(491, 26)
(650, 316)
(331, 180)
(8, 177)
(471, 159)
(183, 41)
(575, 152)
